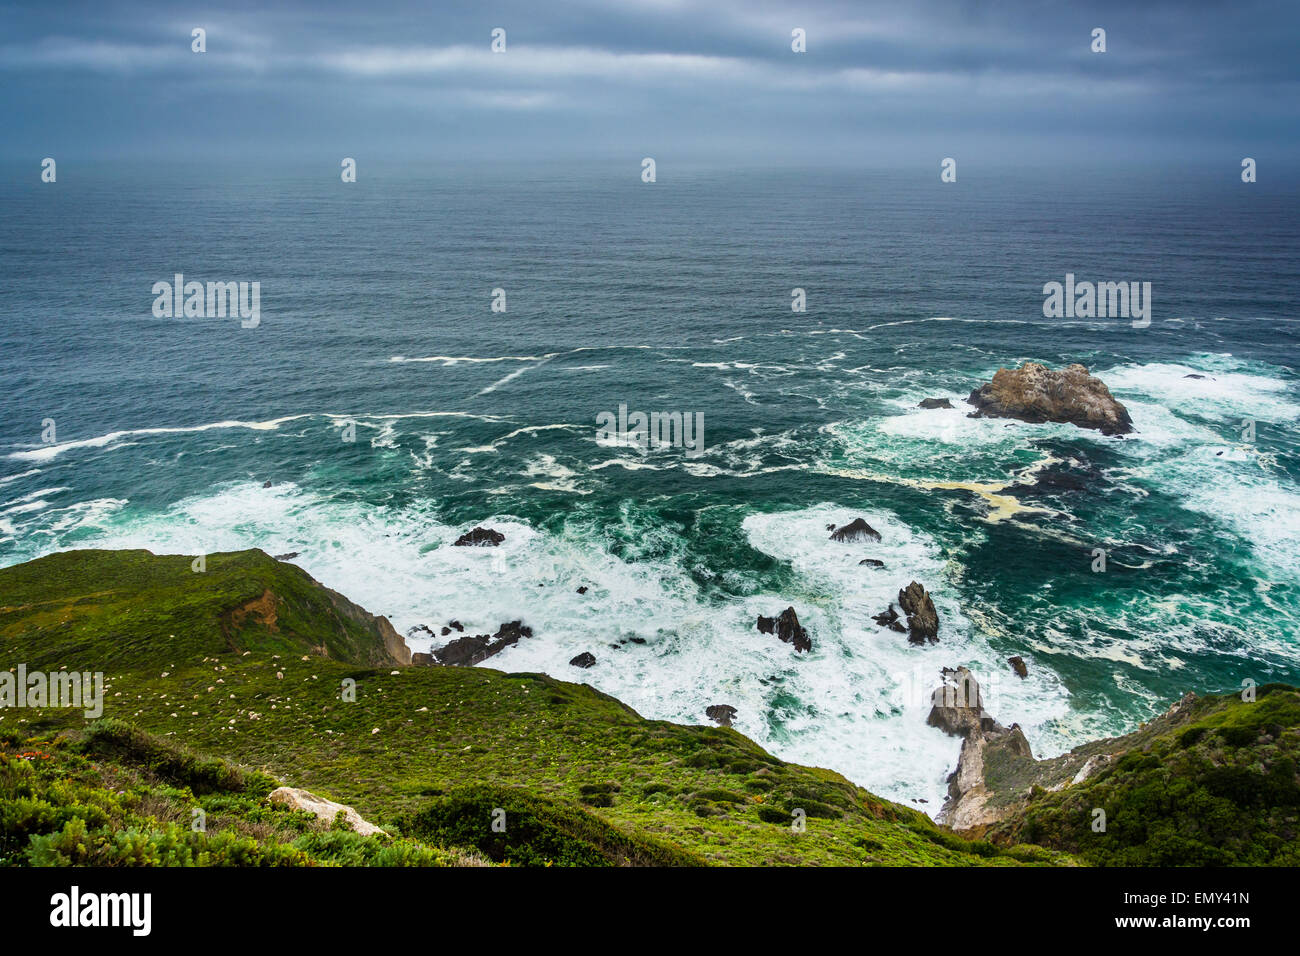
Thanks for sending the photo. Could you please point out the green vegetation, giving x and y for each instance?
(1215, 786)
(120, 797)
(536, 831)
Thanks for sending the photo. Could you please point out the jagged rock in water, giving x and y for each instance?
(287, 557)
(474, 649)
(856, 530)
(1018, 665)
(323, 809)
(922, 618)
(1035, 393)
(583, 589)
(721, 714)
(889, 618)
(934, 403)
(872, 562)
(786, 627)
(480, 537)
(584, 660)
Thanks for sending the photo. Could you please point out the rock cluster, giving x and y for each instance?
(475, 648)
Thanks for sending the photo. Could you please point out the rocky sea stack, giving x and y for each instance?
(1035, 393)
(922, 618)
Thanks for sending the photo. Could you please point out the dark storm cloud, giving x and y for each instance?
(713, 79)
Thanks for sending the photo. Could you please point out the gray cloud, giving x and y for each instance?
(709, 79)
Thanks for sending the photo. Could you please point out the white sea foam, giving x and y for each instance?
(117, 439)
(21, 475)
(468, 359)
(1231, 389)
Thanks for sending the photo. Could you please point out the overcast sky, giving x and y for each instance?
(699, 80)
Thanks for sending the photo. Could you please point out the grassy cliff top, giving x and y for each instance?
(106, 610)
(249, 661)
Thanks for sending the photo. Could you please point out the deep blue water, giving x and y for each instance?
(375, 309)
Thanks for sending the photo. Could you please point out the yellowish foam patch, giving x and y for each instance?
(1001, 506)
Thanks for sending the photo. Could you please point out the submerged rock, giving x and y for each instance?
(1035, 393)
(786, 627)
(922, 618)
(479, 537)
(856, 530)
(584, 660)
(872, 562)
(720, 714)
(474, 649)
(934, 403)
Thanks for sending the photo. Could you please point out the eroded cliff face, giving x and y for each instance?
(997, 773)
(1212, 781)
(957, 708)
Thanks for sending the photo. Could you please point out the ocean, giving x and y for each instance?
(376, 324)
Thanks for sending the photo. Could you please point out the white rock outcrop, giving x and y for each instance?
(326, 810)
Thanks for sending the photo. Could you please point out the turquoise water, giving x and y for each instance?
(376, 310)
